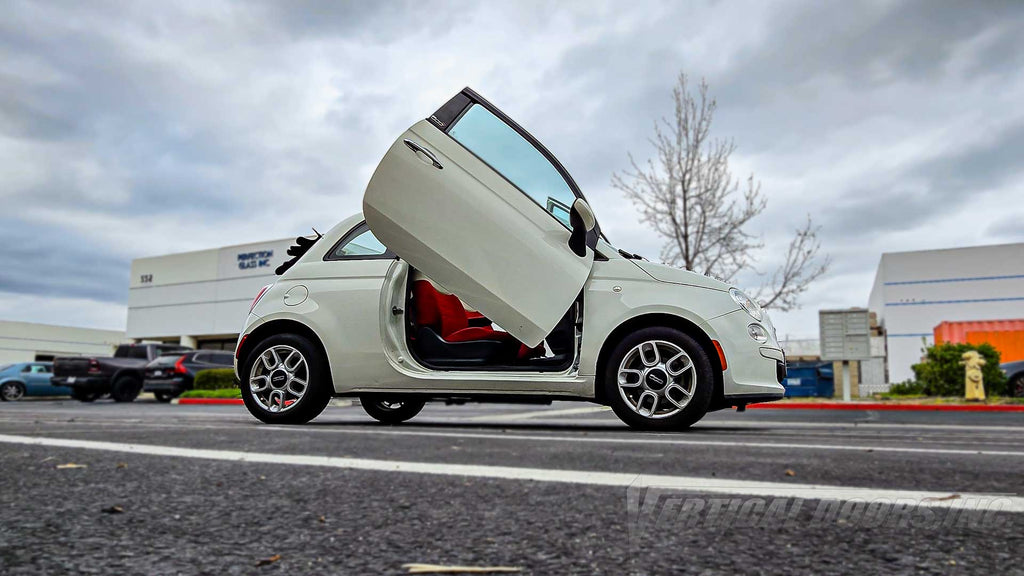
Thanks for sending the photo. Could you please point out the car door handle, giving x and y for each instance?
(421, 150)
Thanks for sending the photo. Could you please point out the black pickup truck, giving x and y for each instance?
(120, 376)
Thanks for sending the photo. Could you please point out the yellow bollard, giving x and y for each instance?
(974, 386)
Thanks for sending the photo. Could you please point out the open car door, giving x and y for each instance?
(481, 207)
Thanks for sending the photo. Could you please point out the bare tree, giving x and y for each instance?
(688, 194)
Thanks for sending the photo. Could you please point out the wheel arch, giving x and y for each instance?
(130, 372)
(283, 326)
(651, 320)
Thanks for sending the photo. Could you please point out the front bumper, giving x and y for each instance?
(84, 383)
(755, 370)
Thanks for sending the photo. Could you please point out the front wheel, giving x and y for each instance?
(11, 391)
(286, 380)
(164, 397)
(389, 410)
(659, 378)
(1017, 387)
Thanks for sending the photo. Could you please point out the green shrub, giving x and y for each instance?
(215, 379)
(941, 373)
(223, 393)
(906, 388)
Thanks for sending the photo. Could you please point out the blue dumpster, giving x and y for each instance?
(805, 379)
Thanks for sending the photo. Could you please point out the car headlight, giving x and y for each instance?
(757, 333)
(747, 304)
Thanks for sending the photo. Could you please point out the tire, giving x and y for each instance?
(12, 391)
(390, 410)
(1017, 386)
(164, 397)
(659, 399)
(272, 391)
(83, 396)
(125, 389)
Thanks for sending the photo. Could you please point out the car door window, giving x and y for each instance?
(516, 159)
(359, 244)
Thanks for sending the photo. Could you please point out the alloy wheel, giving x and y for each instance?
(657, 379)
(279, 378)
(11, 391)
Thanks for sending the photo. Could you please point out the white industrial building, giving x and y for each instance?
(200, 299)
(915, 291)
(30, 342)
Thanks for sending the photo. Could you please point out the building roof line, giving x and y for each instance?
(961, 279)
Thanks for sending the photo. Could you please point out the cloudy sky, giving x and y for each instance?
(135, 129)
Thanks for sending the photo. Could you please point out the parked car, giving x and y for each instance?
(469, 212)
(28, 379)
(120, 375)
(170, 375)
(1015, 377)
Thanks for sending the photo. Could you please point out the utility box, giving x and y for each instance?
(845, 334)
(845, 337)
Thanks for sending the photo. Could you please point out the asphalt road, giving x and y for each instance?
(163, 489)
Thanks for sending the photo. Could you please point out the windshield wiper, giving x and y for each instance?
(629, 255)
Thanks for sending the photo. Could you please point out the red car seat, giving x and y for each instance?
(448, 317)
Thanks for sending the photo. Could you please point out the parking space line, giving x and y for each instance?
(659, 439)
(1002, 503)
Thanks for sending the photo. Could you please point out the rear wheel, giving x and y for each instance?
(11, 391)
(390, 410)
(83, 396)
(286, 380)
(659, 378)
(125, 389)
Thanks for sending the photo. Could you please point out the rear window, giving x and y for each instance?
(166, 360)
(215, 358)
(129, 351)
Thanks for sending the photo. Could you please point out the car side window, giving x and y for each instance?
(515, 158)
(359, 244)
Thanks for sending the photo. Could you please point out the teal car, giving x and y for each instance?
(28, 379)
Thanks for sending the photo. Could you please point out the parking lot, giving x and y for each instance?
(547, 489)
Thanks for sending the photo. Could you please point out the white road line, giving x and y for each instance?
(540, 413)
(1003, 503)
(711, 423)
(642, 439)
(649, 439)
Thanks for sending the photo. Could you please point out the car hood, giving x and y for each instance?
(664, 273)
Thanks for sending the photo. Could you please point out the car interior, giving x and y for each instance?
(443, 333)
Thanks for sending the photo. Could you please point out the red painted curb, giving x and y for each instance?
(885, 406)
(210, 401)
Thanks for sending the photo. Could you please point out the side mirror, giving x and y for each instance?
(582, 220)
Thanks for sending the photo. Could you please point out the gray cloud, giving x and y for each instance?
(129, 130)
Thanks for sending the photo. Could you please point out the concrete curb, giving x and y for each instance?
(207, 401)
(891, 407)
(337, 402)
(766, 406)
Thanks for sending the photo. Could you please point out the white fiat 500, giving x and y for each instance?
(477, 272)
